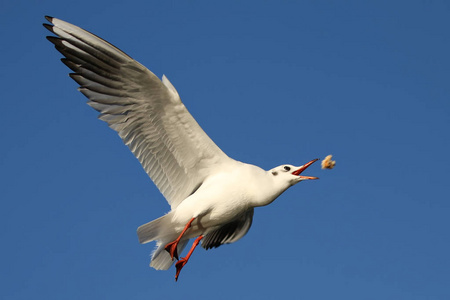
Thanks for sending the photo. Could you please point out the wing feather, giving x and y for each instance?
(146, 112)
(230, 232)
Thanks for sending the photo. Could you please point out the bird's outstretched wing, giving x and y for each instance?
(229, 233)
(146, 112)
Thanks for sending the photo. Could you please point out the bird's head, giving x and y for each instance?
(291, 174)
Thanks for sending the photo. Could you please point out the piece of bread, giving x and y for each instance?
(327, 163)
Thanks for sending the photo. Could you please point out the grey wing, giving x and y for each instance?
(146, 112)
(230, 232)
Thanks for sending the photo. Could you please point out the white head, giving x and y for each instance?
(280, 179)
(288, 175)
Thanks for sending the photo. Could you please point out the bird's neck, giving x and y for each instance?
(269, 191)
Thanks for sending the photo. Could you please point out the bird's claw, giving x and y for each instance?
(172, 249)
(179, 265)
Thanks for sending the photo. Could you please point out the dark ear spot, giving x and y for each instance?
(274, 173)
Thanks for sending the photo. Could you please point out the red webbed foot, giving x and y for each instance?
(180, 264)
(172, 246)
(172, 249)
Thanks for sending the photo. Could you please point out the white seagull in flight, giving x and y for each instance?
(212, 196)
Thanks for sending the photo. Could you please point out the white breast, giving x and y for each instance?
(222, 197)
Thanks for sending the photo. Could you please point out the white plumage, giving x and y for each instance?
(211, 195)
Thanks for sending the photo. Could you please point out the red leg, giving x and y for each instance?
(180, 264)
(172, 246)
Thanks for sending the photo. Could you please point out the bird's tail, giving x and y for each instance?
(160, 230)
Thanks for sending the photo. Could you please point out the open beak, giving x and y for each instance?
(303, 168)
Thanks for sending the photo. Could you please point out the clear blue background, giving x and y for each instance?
(271, 82)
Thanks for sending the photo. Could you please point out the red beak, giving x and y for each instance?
(303, 168)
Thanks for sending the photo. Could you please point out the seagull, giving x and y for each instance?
(212, 196)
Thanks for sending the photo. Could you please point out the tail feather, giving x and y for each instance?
(155, 229)
(160, 230)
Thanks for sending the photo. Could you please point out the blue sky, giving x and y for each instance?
(271, 82)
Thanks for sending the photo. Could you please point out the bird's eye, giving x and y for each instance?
(286, 168)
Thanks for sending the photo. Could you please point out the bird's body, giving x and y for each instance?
(226, 196)
(212, 196)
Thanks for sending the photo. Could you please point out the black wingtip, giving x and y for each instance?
(53, 39)
(74, 67)
(50, 19)
(48, 27)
